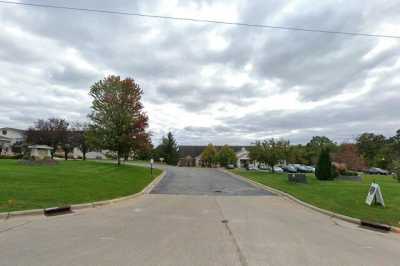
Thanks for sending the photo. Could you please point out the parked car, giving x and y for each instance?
(289, 168)
(377, 171)
(301, 168)
(311, 169)
(277, 169)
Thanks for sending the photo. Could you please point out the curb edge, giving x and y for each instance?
(80, 206)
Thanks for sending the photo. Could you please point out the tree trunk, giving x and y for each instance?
(118, 158)
(84, 155)
(66, 155)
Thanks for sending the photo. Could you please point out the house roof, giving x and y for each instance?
(11, 128)
(194, 151)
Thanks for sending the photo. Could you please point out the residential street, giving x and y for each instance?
(202, 181)
(185, 221)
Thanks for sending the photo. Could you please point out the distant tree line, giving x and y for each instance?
(369, 150)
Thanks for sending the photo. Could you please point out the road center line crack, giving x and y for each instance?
(242, 258)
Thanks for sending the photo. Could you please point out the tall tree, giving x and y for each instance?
(168, 149)
(297, 154)
(316, 145)
(209, 155)
(394, 143)
(270, 151)
(369, 145)
(52, 132)
(349, 155)
(143, 148)
(117, 116)
(226, 156)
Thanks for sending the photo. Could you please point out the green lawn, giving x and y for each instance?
(69, 182)
(344, 197)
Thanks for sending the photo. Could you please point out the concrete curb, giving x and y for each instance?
(286, 195)
(146, 190)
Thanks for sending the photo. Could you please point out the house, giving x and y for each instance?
(10, 137)
(40, 152)
(190, 156)
(243, 158)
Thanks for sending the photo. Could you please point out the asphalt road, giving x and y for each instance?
(167, 229)
(202, 181)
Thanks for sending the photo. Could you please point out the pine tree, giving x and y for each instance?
(168, 149)
(324, 167)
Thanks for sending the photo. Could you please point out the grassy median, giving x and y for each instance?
(344, 197)
(25, 187)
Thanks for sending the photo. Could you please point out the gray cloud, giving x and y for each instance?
(376, 111)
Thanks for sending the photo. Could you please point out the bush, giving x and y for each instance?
(349, 173)
(340, 168)
(11, 157)
(325, 170)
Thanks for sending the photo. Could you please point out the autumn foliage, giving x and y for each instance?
(349, 155)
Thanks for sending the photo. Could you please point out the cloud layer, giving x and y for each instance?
(208, 82)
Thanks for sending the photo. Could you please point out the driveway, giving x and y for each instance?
(202, 181)
(198, 228)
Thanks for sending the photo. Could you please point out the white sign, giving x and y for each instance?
(151, 161)
(374, 195)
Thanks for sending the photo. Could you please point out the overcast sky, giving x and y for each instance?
(209, 82)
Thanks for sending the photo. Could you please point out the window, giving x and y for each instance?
(4, 132)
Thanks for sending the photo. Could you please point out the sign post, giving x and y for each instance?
(151, 166)
(374, 195)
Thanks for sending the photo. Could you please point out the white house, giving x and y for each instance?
(9, 137)
(243, 158)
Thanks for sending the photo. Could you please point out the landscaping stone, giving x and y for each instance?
(297, 178)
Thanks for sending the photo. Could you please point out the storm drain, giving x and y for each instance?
(217, 191)
(224, 221)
